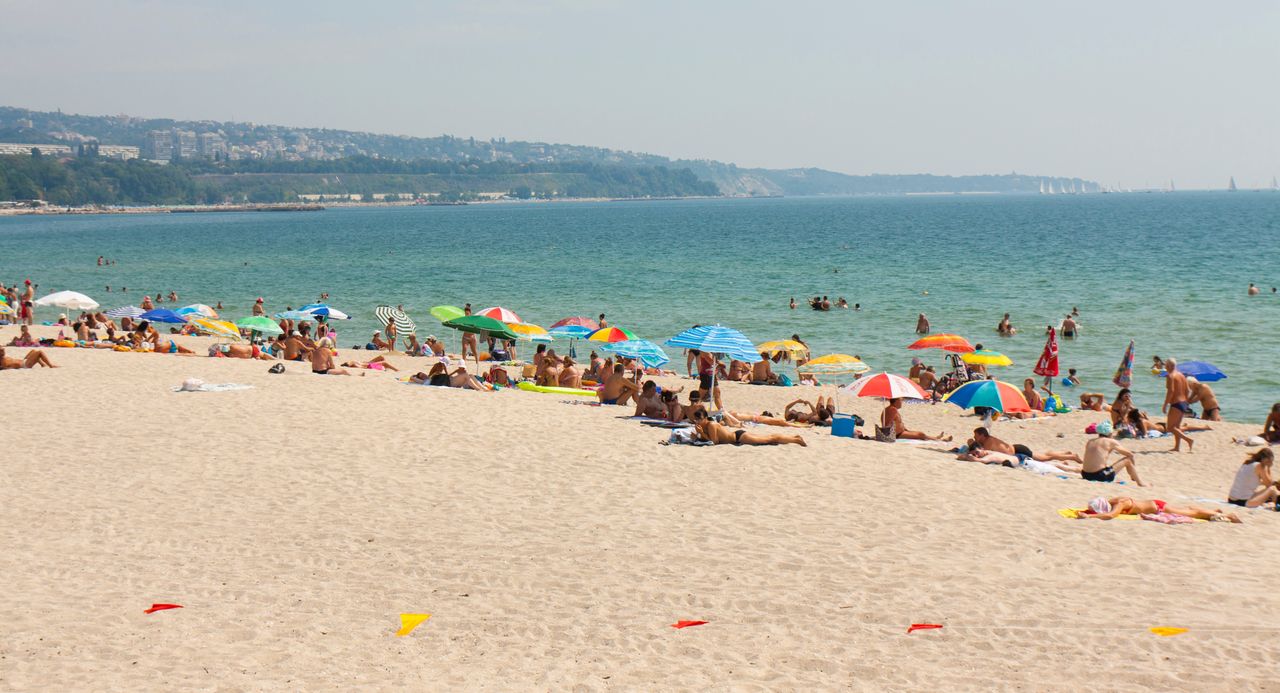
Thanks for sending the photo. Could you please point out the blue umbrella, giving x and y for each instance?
(1203, 371)
(650, 354)
(295, 315)
(570, 331)
(715, 339)
(324, 310)
(162, 315)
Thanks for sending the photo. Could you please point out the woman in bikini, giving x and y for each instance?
(818, 413)
(1111, 508)
(718, 434)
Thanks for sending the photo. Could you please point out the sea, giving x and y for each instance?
(1169, 271)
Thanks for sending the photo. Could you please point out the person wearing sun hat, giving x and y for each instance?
(258, 307)
(1096, 453)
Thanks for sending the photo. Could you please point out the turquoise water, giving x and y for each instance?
(1167, 270)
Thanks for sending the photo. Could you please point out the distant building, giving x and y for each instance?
(10, 148)
(211, 144)
(24, 123)
(185, 145)
(115, 151)
(158, 145)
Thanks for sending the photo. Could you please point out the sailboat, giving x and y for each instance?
(1275, 185)
(1042, 192)
(1051, 190)
(1231, 184)
(1169, 187)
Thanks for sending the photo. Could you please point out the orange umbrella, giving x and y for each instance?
(947, 342)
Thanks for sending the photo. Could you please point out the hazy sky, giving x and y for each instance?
(1130, 92)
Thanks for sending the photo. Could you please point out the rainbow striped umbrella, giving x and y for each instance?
(610, 334)
(947, 342)
(992, 394)
(500, 314)
(217, 328)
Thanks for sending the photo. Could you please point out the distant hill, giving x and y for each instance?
(258, 141)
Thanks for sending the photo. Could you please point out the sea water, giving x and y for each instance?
(1167, 270)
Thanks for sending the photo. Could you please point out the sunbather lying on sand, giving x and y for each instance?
(766, 419)
(804, 411)
(714, 432)
(34, 358)
(983, 440)
(1020, 461)
(376, 363)
(239, 351)
(1110, 508)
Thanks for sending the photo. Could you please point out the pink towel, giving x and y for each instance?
(1168, 519)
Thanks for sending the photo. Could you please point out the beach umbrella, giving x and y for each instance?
(577, 321)
(571, 331)
(500, 314)
(482, 325)
(324, 310)
(947, 342)
(716, 339)
(197, 309)
(1203, 371)
(446, 313)
(834, 364)
(1124, 374)
(217, 328)
(650, 354)
(387, 315)
(612, 334)
(295, 315)
(793, 349)
(530, 333)
(1048, 363)
(5, 309)
(162, 315)
(71, 300)
(260, 324)
(992, 394)
(886, 385)
(124, 312)
(986, 357)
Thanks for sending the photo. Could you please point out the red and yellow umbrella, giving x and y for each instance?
(610, 334)
(886, 385)
(947, 342)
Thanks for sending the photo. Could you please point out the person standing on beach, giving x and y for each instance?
(922, 324)
(1176, 404)
(391, 335)
(470, 343)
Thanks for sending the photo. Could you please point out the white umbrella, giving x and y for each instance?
(71, 300)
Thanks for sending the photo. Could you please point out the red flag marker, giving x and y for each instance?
(923, 626)
(686, 624)
(161, 607)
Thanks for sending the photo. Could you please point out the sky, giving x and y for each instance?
(1130, 93)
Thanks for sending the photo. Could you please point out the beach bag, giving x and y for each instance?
(278, 368)
(784, 381)
(886, 434)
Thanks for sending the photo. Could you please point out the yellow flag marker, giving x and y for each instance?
(410, 621)
(1167, 631)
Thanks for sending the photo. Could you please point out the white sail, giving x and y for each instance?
(1275, 185)
(1042, 186)
(1051, 190)
(1231, 184)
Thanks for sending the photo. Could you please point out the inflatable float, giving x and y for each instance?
(530, 387)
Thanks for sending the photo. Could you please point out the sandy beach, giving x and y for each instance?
(554, 544)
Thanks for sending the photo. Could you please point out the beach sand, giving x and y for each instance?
(555, 544)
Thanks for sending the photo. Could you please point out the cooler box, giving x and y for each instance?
(842, 425)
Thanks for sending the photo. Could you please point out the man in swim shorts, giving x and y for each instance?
(983, 440)
(1176, 404)
(617, 388)
(1098, 450)
(1203, 394)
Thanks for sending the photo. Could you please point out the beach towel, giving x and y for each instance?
(197, 385)
(1170, 519)
(685, 436)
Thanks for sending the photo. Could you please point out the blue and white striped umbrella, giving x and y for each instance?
(650, 354)
(717, 340)
(294, 315)
(570, 331)
(124, 312)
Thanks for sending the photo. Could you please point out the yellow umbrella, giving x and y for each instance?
(530, 332)
(986, 357)
(793, 349)
(217, 328)
(834, 364)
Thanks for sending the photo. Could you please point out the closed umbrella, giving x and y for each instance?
(387, 314)
(70, 300)
(650, 354)
(1048, 363)
(124, 312)
(1124, 374)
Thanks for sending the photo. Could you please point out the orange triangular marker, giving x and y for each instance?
(923, 626)
(686, 624)
(410, 621)
(161, 607)
(1168, 631)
